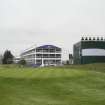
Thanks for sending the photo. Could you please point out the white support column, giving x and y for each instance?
(42, 62)
(35, 57)
(42, 59)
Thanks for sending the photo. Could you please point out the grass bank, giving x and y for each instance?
(67, 85)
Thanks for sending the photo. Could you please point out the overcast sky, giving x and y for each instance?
(24, 23)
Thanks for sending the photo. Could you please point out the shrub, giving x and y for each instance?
(22, 62)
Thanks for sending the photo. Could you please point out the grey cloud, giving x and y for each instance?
(60, 22)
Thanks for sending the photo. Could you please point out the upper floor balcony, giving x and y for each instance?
(48, 50)
(48, 55)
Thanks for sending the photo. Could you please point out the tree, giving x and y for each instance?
(7, 57)
(22, 62)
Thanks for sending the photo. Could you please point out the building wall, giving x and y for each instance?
(93, 59)
(89, 51)
(92, 52)
(77, 53)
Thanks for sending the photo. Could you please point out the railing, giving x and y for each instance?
(48, 57)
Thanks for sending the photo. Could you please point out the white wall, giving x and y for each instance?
(93, 52)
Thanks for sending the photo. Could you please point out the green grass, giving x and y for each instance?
(68, 85)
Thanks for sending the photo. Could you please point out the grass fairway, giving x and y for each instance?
(69, 85)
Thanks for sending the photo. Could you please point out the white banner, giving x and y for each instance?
(93, 52)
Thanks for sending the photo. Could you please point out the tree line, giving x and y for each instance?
(8, 58)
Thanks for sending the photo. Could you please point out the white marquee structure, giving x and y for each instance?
(45, 55)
